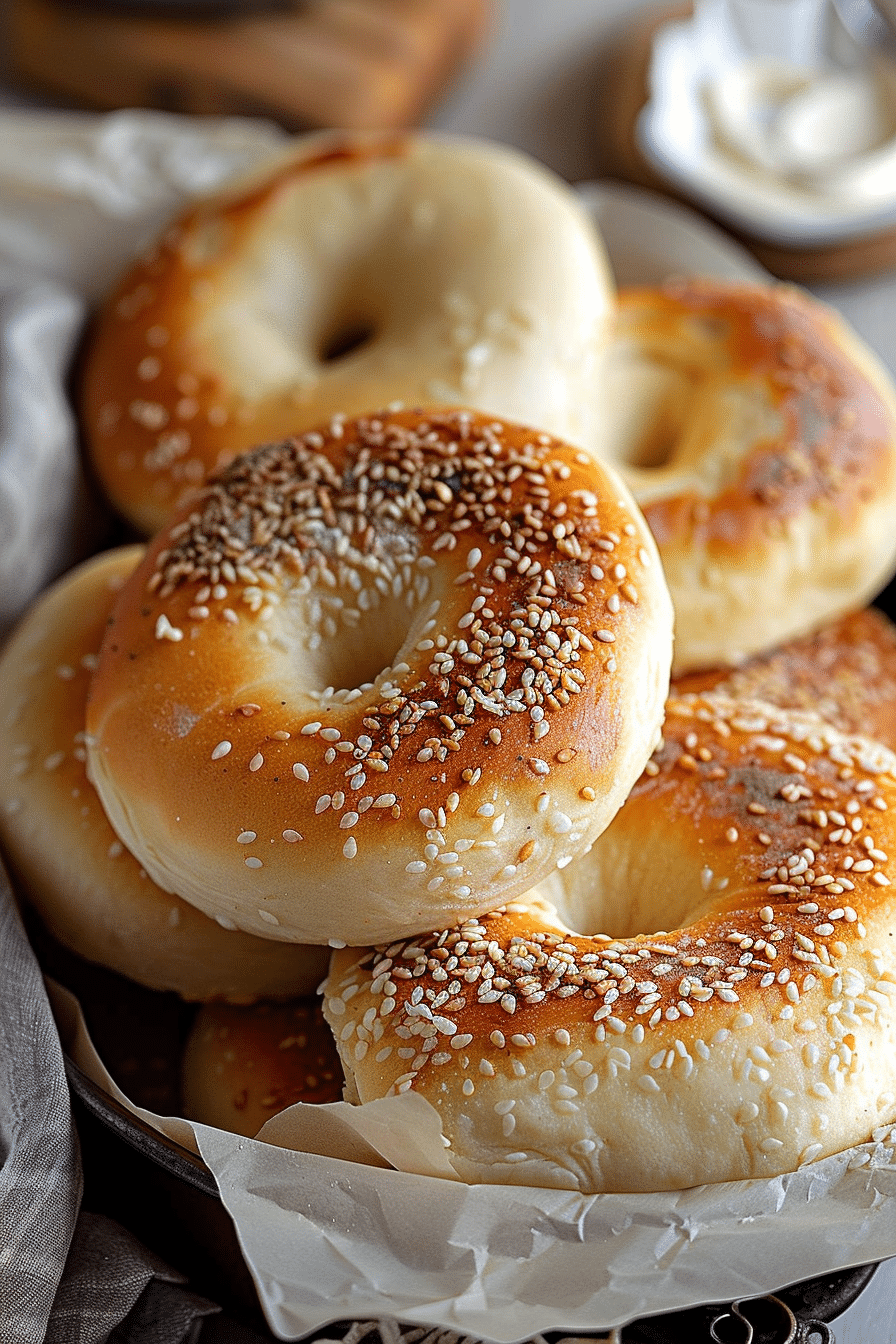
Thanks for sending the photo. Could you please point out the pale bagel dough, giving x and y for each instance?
(90, 893)
(352, 271)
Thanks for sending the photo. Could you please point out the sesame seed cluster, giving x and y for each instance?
(845, 672)
(90, 892)
(520, 600)
(774, 997)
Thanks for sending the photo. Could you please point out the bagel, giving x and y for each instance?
(241, 1065)
(735, 1016)
(845, 673)
(758, 434)
(351, 271)
(89, 892)
(390, 672)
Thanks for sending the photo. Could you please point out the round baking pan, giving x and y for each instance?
(162, 1193)
(167, 1196)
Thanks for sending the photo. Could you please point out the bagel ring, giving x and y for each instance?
(351, 271)
(90, 893)
(418, 658)
(758, 434)
(737, 1018)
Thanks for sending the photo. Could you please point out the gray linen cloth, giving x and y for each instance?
(64, 1278)
(40, 1180)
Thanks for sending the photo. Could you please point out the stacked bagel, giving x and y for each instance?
(395, 682)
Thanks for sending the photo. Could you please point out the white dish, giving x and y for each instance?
(650, 240)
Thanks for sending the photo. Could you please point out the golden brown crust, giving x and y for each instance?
(762, 449)
(242, 1065)
(836, 437)
(734, 1013)
(91, 894)
(845, 673)
(353, 271)
(419, 655)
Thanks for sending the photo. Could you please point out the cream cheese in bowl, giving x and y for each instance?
(776, 117)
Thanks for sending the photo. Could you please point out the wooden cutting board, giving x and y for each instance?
(307, 63)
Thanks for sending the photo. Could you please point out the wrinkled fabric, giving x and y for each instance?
(79, 196)
(40, 1179)
(64, 1278)
(48, 517)
(114, 1288)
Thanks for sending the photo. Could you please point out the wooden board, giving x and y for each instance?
(624, 92)
(347, 63)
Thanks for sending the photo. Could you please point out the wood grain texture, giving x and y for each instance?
(358, 64)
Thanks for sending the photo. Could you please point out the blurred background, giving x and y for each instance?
(564, 82)
(515, 70)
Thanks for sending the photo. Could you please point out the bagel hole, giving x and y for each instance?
(656, 447)
(360, 653)
(645, 405)
(659, 893)
(358, 656)
(345, 339)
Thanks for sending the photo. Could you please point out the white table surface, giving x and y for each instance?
(534, 86)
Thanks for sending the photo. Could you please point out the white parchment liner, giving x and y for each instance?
(329, 1236)
(328, 1231)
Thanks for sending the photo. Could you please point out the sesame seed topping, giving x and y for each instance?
(509, 963)
(165, 630)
